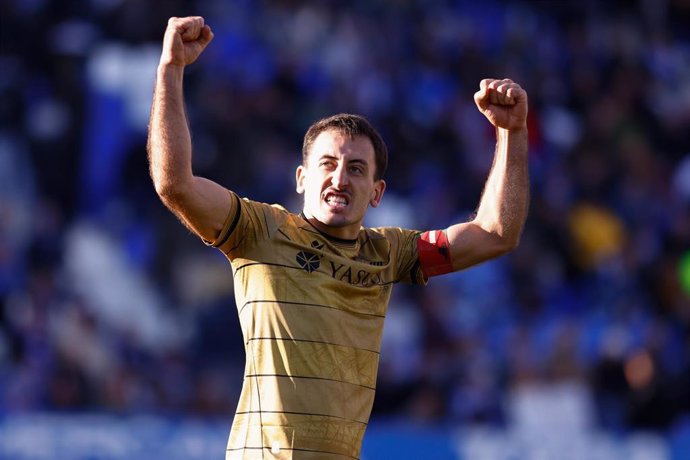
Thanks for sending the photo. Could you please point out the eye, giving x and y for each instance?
(327, 164)
(358, 170)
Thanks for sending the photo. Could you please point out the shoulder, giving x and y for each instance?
(276, 211)
(388, 236)
(254, 222)
(386, 233)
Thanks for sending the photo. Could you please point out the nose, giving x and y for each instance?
(339, 177)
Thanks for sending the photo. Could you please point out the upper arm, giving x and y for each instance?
(458, 247)
(202, 205)
(469, 244)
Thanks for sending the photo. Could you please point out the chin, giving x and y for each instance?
(337, 220)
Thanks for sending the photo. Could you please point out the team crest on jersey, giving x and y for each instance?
(308, 261)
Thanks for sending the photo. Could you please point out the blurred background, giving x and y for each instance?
(118, 329)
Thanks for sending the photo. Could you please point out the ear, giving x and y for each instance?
(299, 178)
(377, 194)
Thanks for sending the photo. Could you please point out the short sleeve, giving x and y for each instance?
(404, 255)
(247, 223)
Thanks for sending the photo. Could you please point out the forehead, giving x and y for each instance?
(336, 143)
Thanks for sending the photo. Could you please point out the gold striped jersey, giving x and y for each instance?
(311, 308)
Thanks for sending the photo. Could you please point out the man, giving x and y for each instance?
(312, 289)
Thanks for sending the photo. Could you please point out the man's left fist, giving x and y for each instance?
(503, 103)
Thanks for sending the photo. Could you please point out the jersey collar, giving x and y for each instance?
(333, 239)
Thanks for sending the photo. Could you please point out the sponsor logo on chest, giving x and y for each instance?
(310, 262)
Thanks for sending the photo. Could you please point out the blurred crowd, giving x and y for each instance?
(108, 303)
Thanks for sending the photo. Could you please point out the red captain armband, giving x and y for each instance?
(434, 253)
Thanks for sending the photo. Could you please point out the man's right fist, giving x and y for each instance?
(185, 39)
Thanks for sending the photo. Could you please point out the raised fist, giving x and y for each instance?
(503, 103)
(184, 41)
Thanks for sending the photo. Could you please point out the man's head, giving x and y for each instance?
(343, 161)
(351, 125)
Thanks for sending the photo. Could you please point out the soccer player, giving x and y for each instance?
(312, 289)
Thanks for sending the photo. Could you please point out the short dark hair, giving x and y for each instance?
(351, 125)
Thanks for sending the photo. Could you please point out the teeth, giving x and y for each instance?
(336, 200)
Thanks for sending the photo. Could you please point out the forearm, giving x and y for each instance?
(201, 204)
(169, 141)
(503, 207)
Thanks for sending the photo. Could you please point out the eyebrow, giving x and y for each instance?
(358, 161)
(328, 156)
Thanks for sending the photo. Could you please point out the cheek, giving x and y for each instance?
(313, 190)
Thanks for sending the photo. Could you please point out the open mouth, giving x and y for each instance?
(336, 200)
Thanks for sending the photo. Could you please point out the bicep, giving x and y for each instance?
(469, 244)
(202, 205)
